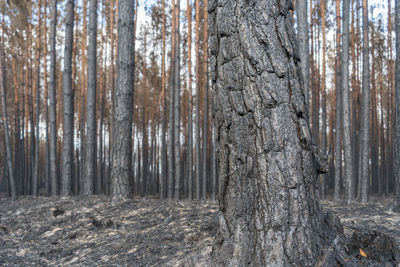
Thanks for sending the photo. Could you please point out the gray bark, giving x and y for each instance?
(365, 108)
(190, 119)
(338, 130)
(205, 111)
(90, 162)
(268, 168)
(5, 125)
(177, 104)
(37, 113)
(163, 181)
(197, 108)
(397, 122)
(68, 132)
(213, 165)
(303, 40)
(348, 157)
(53, 108)
(122, 121)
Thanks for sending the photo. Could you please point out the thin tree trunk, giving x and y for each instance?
(365, 108)
(205, 111)
(122, 123)
(53, 107)
(90, 162)
(397, 122)
(37, 110)
(68, 132)
(177, 104)
(323, 95)
(190, 113)
(348, 157)
(5, 124)
(197, 104)
(163, 181)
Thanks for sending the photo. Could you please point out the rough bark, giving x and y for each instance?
(4, 119)
(90, 162)
(52, 95)
(303, 39)
(338, 128)
(122, 122)
(68, 131)
(348, 157)
(268, 167)
(177, 103)
(397, 122)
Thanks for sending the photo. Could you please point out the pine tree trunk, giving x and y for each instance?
(338, 130)
(5, 124)
(397, 105)
(122, 122)
(197, 122)
(163, 181)
(348, 157)
(53, 108)
(190, 113)
(302, 36)
(177, 104)
(269, 211)
(323, 95)
(68, 134)
(365, 108)
(90, 159)
(35, 181)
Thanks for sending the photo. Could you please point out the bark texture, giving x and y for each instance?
(302, 36)
(177, 104)
(122, 122)
(269, 211)
(348, 157)
(68, 132)
(5, 125)
(52, 95)
(397, 123)
(90, 162)
(364, 178)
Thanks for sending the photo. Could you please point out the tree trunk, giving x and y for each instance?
(35, 181)
(163, 181)
(197, 122)
(269, 211)
(364, 178)
(122, 122)
(338, 130)
(397, 122)
(190, 113)
(177, 103)
(205, 111)
(90, 162)
(53, 108)
(302, 36)
(5, 124)
(348, 157)
(323, 95)
(68, 132)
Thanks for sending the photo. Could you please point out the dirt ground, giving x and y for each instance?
(76, 231)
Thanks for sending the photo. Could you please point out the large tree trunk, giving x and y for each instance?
(338, 128)
(68, 132)
(268, 166)
(53, 108)
(397, 123)
(364, 177)
(348, 157)
(90, 162)
(5, 124)
(122, 122)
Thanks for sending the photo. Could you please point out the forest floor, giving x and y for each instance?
(77, 231)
